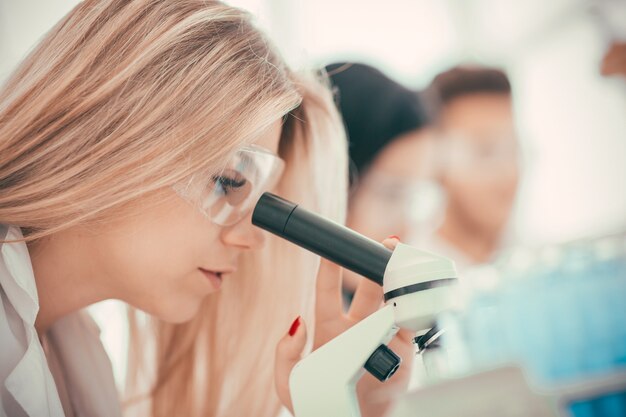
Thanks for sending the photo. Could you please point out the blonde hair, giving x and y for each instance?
(126, 97)
(221, 363)
(122, 98)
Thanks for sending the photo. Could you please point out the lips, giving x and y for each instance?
(214, 277)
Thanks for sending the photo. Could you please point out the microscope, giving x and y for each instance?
(416, 286)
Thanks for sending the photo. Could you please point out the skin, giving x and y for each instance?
(481, 193)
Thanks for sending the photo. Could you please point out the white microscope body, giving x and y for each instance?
(416, 286)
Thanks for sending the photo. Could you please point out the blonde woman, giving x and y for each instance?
(134, 141)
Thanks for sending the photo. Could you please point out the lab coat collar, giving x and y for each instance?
(30, 383)
(19, 286)
(87, 369)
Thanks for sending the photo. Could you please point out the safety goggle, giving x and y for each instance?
(229, 196)
(490, 155)
(396, 197)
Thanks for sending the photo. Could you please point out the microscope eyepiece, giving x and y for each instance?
(324, 237)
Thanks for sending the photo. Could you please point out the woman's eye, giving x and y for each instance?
(226, 184)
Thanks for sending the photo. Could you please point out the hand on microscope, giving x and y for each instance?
(375, 397)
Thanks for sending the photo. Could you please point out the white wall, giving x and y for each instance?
(22, 23)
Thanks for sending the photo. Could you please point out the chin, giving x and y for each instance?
(181, 312)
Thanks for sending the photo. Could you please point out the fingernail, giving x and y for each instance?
(294, 326)
(394, 237)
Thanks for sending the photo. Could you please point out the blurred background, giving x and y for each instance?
(570, 118)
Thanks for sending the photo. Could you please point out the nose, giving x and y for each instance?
(243, 235)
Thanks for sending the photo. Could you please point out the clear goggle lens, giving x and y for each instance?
(229, 196)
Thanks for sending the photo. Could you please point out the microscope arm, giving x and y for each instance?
(325, 383)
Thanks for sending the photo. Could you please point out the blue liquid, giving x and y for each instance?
(563, 321)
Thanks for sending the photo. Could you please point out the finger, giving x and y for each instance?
(288, 353)
(369, 295)
(391, 242)
(367, 299)
(406, 335)
(328, 302)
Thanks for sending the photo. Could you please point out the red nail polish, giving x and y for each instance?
(394, 237)
(294, 326)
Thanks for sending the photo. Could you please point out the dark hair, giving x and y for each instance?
(462, 80)
(375, 110)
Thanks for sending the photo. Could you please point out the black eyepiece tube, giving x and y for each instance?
(322, 236)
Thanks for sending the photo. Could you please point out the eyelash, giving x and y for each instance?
(227, 184)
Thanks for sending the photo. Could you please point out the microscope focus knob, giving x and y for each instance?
(383, 363)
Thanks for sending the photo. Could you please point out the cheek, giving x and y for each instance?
(363, 215)
(464, 186)
(149, 260)
(372, 221)
(153, 262)
(150, 273)
(485, 200)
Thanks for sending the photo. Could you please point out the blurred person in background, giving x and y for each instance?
(477, 162)
(389, 152)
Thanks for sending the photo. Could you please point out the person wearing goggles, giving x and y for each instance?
(478, 162)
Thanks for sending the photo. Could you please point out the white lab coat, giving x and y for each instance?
(27, 387)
